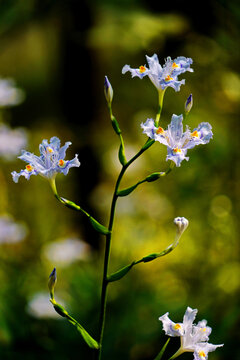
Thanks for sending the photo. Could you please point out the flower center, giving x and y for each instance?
(29, 168)
(175, 66)
(61, 163)
(160, 130)
(168, 78)
(177, 327)
(142, 69)
(177, 150)
(202, 354)
(195, 134)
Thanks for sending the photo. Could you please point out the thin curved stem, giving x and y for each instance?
(108, 246)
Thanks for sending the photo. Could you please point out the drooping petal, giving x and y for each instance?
(173, 82)
(171, 328)
(200, 136)
(183, 65)
(140, 72)
(149, 128)
(25, 173)
(177, 155)
(201, 350)
(66, 165)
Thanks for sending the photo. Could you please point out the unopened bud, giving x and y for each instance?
(108, 90)
(52, 282)
(181, 224)
(188, 104)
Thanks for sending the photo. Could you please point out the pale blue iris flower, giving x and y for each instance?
(49, 163)
(162, 76)
(177, 141)
(194, 338)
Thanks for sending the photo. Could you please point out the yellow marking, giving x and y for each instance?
(177, 326)
(61, 162)
(168, 78)
(204, 329)
(29, 168)
(174, 65)
(195, 134)
(49, 149)
(177, 150)
(160, 130)
(142, 69)
(202, 354)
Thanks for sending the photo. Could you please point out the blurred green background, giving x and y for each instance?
(58, 52)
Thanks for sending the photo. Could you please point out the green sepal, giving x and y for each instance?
(70, 204)
(121, 155)
(153, 177)
(127, 191)
(60, 309)
(120, 273)
(115, 125)
(99, 227)
(149, 257)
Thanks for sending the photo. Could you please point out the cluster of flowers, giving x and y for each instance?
(176, 140)
(194, 338)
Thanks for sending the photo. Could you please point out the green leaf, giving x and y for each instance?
(159, 356)
(99, 227)
(120, 273)
(127, 191)
(121, 155)
(88, 339)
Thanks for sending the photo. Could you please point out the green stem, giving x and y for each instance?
(160, 105)
(108, 245)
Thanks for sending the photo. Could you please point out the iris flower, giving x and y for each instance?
(177, 141)
(162, 76)
(194, 338)
(50, 162)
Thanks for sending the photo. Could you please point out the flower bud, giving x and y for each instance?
(181, 224)
(188, 104)
(108, 90)
(52, 282)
